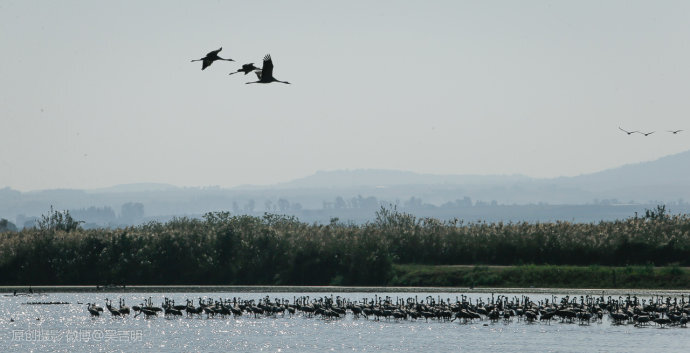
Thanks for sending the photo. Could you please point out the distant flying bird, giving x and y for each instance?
(627, 132)
(246, 68)
(210, 58)
(647, 133)
(674, 131)
(265, 75)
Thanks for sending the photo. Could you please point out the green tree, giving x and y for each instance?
(58, 221)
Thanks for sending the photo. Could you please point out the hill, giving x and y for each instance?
(357, 194)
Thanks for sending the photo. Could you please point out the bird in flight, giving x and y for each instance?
(265, 75)
(647, 133)
(210, 58)
(674, 131)
(627, 132)
(246, 68)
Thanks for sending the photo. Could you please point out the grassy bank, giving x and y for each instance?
(542, 276)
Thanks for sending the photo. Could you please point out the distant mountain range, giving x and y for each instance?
(665, 180)
(663, 174)
(666, 171)
(137, 187)
(669, 171)
(387, 178)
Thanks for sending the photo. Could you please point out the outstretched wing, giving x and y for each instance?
(206, 63)
(210, 57)
(628, 132)
(258, 74)
(268, 66)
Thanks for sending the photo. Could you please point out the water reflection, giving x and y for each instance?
(69, 328)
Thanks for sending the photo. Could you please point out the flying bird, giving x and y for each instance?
(210, 58)
(246, 68)
(265, 75)
(674, 131)
(647, 133)
(627, 132)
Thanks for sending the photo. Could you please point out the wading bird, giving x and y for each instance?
(674, 131)
(246, 68)
(92, 310)
(265, 75)
(210, 58)
(627, 132)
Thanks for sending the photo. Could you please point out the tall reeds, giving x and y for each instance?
(226, 249)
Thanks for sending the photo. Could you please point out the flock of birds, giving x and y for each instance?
(265, 73)
(659, 311)
(675, 132)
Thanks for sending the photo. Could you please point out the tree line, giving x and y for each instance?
(238, 249)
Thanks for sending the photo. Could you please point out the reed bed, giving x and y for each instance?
(235, 249)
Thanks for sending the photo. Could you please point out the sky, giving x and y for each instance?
(100, 93)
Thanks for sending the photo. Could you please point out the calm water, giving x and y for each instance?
(69, 328)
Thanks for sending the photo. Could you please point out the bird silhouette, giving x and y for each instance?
(674, 131)
(210, 58)
(647, 133)
(265, 75)
(246, 68)
(627, 132)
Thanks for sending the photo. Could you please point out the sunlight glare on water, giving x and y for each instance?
(69, 328)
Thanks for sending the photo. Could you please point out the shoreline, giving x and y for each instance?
(410, 278)
(38, 290)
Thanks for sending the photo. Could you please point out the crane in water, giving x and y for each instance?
(207, 60)
(93, 309)
(265, 75)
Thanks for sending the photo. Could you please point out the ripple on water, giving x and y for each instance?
(301, 334)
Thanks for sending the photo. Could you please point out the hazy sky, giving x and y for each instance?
(98, 93)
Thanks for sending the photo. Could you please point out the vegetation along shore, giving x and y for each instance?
(396, 249)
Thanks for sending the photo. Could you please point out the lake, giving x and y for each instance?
(70, 328)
